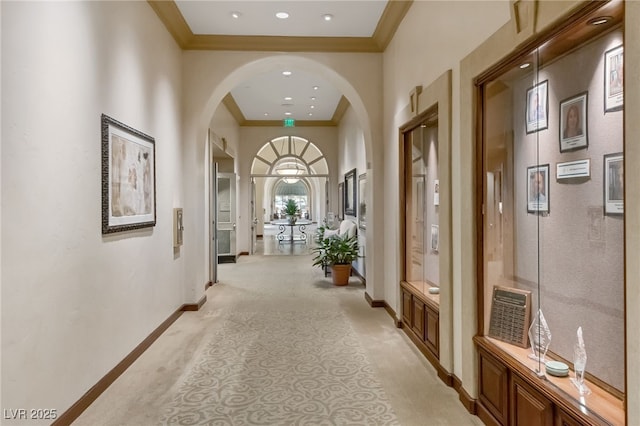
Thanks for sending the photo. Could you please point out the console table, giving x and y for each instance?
(292, 237)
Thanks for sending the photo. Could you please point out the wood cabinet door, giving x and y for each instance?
(406, 307)
(529, 407)
(494, 387)
(564, 419)
(418, 318)
(432, 331)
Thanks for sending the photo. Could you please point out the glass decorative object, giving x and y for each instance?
(540, 337)
(580, 365)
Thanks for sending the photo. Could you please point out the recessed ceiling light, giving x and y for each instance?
(288, 98)
(282, 15)
(315, 87)
(287, 73)
(599, 20)
(525, 65)
(266, 113)
(327, 16)
(312, 106)
(310, 114)
(236, 14)
(287, 113)
(313, 98)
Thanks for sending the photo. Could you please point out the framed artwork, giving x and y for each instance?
(436, 192)
(178, 227)
(435, 237)
(350, 194)
(362, 213)
(341, 201)
(613, 184)
(537, 111)
(573, 123)
(128, 178)
(538, 189)
(613, 79)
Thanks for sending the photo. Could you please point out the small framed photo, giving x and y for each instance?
(613, 184)
(350, 194)
(537, 111)
(341, 201)
(436, 192)
(128, 178)
(613, 79)
(362, 213)
(538, 189)
(178, 227)
(573, 123)
(435, 237)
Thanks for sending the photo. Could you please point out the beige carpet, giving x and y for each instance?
(277, 344)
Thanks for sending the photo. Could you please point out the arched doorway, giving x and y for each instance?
(287, 167)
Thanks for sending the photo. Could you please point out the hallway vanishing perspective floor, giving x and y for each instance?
(277, 343)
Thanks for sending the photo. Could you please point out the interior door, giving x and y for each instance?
(226, 212)
(213, 221)
(254, 217)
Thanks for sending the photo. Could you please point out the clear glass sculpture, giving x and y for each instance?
(540, 337)
(580, 365)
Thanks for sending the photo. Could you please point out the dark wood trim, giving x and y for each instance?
(242, 253)
(486, 417)
(194, 306)
(443, 374)
(92, 394)
(373, 303)
(393, 315)
(469, 403)
(208, 284)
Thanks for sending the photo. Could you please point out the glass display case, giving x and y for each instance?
(551, 253)
(421, 199)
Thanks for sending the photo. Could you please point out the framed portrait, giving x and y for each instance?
(538, 189)
(341, 201)
(613, 184)
(362, 213)
(350, 193)
(128, 178)
(613, 79)
(573, 123)
(537, 111)
(435, 237)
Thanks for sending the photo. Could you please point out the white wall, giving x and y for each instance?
(352, 155)
(433, 37)
(74, 302)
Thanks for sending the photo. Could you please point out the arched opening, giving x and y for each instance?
(288, 167)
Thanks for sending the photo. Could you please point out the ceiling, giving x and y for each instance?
(355, 26)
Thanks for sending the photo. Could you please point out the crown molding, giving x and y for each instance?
(175, 23)
(234, 109)
(278, 123)
(341, 108)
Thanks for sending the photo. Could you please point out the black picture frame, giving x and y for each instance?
(350, 193)
(574, 123)
(537, 110)
(128, 178)
(613, 183)
(538, 196)
(614, 79)
(341, 201)
(362, 209)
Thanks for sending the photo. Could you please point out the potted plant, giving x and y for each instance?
(338, 252)
(291, 209)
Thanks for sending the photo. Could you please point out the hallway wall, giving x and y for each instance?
(74, 302)
(433, 37)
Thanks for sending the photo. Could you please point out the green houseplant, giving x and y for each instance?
(338, 252)
(291, 209)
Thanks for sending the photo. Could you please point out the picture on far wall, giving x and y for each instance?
(573, 123)
(350, 194)
(435, 237)
(341, 201)
(128, 178)
(613, 79)
(613, 184)
(436, 192)
(537, 111)
(362, 213)
(538, 189)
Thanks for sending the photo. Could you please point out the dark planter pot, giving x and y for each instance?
(340, 274)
